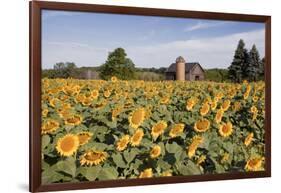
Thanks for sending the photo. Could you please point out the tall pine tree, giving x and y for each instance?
(237, 68)
(253, 68)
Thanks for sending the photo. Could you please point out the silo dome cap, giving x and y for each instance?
(180, 59)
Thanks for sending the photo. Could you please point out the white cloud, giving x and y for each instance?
(212, 52)
(209, 52)
(202, 25)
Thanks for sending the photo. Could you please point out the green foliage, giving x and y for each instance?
(61, 70)
(246, 65)
(239, 62)
(216, 75)
(254, 64)
(117, 64)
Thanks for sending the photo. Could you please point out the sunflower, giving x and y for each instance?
(67, 145)
(202, 125)
(87, 101)
(155, 151)
(190, 103)
(92, 157)
(249, 139)
(225, 129)
(253, 109)
(95, 94)
(79, 98)
(114, 79)
(158, 129)
(54, 102)
(123, 142)
(73, 120)
(115, 112)
(137, 117)
(254, 164)
(147, 173)
(201, 160)
(219, 115)
(49, 126)
(137, 137)
(196, 141)
(165, 100)
(225, 158)
(106, 93)
(214, 105)
(167, 173)
(225, 105)
(176, 130)
(204, 109)
(45, 112)
(84, 137)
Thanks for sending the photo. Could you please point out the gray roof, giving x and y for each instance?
(188, 66)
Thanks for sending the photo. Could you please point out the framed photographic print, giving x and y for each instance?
(123, 96)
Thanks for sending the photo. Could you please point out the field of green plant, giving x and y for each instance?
(100, 130)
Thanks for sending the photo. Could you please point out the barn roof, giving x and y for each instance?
(188, 67)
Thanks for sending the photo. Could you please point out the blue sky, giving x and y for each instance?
(86, 39)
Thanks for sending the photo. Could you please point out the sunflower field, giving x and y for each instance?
(95, 130)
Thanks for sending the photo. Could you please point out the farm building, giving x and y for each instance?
(180, 70)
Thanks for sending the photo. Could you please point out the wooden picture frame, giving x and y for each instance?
(35, 93)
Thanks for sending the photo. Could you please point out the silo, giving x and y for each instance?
(180, 68)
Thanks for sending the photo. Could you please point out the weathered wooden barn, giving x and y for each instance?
(190, 70)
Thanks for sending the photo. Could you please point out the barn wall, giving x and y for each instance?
(197, 71)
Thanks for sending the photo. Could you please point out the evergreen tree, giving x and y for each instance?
(261, 68)
(239, 63)
(254, 65)
(118, 65)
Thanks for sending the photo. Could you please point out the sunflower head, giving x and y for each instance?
(225, 105)
(137, 137)
(137, 117)
(107, 93)
(165, 100)
(219, 115)
(114, 79)
(84, 137)
(167, 173)
(249, 139)
(253, 109)
(225, 129)
(123, 142)
(201, 159)
(49, 126)
(190, 103)
(158, 129)
(95, 94)
(176, 130)
(155, 151)
(67, 145)
(196, 141)
(204, 109)
(45, 112)
(147, 173)
(202, 125)
(254, 164)
(214, 105)
(92, 157)
(73, 120)
(225, 158)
